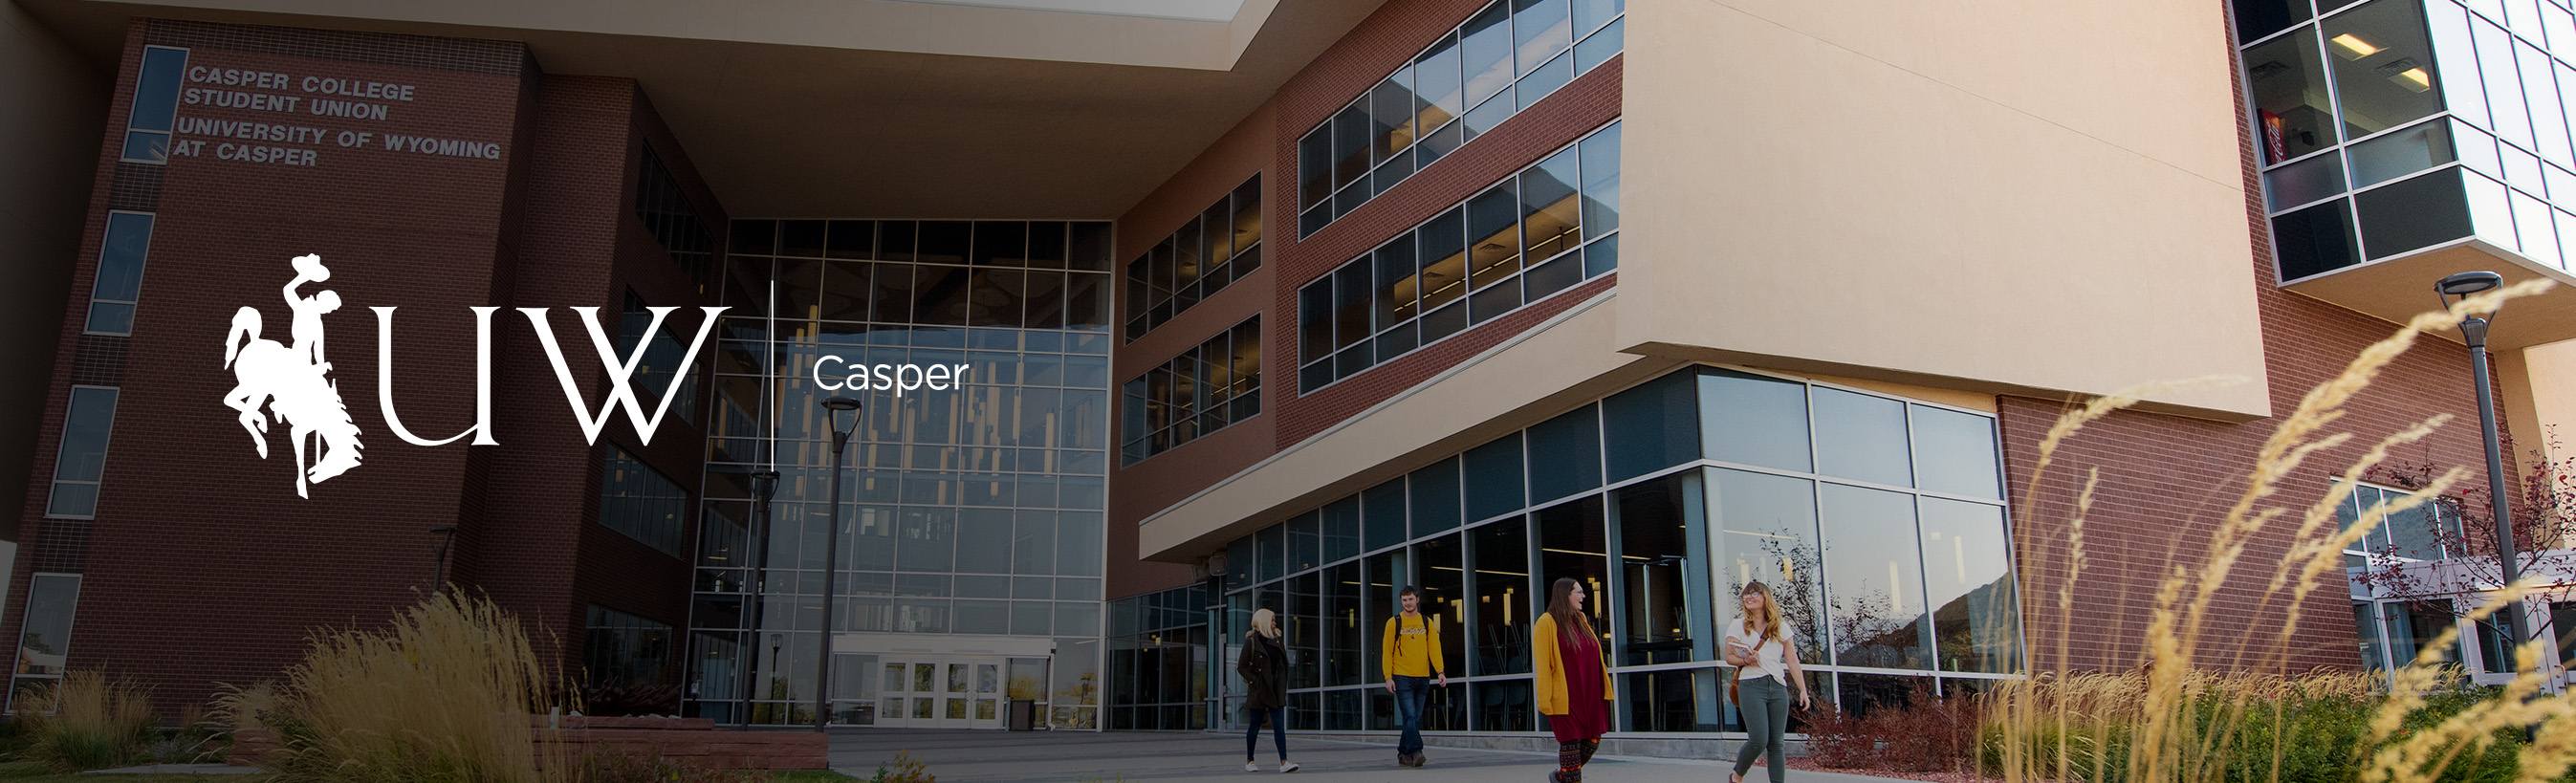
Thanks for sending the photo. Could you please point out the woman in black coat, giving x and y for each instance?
(1264, 666)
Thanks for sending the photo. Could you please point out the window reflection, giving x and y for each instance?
(1657, 618)
(1970, 592)
(1873, 574)
(1767, 530)
(2286, 81)
(1504, 599)
(2383, 66)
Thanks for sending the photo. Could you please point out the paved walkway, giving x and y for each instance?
(1111, 757)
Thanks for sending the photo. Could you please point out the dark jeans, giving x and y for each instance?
(1278, 730)
(1409, 695)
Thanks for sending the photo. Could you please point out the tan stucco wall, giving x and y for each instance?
(2539, 398)
(2025, 197)
(54, 102)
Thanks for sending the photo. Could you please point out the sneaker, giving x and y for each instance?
(1419, 758)
(1287, 766)
(1251, 767)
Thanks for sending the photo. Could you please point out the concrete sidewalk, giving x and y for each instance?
(1109, 757)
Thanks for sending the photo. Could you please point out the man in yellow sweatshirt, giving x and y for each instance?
(1409, 654)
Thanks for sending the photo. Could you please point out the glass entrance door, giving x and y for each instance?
(943, 692)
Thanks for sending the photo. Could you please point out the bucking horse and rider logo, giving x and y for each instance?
(293, 382)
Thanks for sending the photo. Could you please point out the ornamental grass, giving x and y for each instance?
(2173, 720)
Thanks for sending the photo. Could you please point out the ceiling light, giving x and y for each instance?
(2407, 73)
(2353, 47)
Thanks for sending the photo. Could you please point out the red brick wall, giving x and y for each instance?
(2166, 480)
(202, 567)
(1379, 45)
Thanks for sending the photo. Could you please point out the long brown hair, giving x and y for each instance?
(1560, 605)
(1768, 625)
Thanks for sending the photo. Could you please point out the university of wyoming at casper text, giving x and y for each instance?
(291, 383)
(289, 144)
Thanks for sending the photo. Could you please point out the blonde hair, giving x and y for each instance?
(1266, 623)
(1769, 626)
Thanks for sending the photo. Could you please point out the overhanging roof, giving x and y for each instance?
(2397, 288)
(891, 108)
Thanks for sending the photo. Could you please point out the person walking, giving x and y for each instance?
(1573, 684)
(1757, 644)
(1409, 657)
(1264, 666)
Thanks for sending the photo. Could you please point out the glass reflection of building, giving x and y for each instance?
(2391, 126)
(971, 524)
(1879, 521)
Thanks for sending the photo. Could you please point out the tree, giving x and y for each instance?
(2544, 525)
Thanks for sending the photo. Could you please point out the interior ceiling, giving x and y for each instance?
(812, 131)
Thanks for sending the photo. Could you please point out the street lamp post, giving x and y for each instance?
(764, 485)
(831, 559)
(2474, 329)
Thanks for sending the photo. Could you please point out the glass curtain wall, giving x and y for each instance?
(1159, 660)
(1878, 521)
(976, 510)
(2390, 126)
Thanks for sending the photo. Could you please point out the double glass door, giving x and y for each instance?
(944, 692)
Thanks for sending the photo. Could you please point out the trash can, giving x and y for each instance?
(1024, 714)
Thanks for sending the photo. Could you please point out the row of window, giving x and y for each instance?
(1198, 392)
(660, 373)
(1208, 252)
(1542, 231)
(1877, 521)
(927, 543)
(1502, 60)
(640, 502)
(623, 649)
(673, 221)
(156, 106)
(2341, 106)
(1034, 244)
(851, 301)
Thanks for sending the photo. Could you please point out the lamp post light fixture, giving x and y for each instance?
(831, 559)
(764, 485)
(2474, 329)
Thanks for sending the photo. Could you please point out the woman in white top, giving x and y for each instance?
(1757, 644)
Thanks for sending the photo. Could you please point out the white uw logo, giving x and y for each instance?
(293, 381)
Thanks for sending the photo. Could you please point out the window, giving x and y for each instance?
(120, 273)
(156, 106)
(1526, 238)
(660, 373)
(44, 645)
(1886, 559)
(640, 502)
(1497, 64)
(81, 458)
(1201, 391)
(623, 649)
(1210, 251)
(674, 222)
(2427, 532)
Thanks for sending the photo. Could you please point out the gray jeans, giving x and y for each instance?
(1766, 719)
